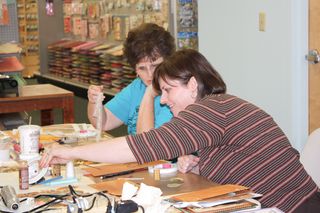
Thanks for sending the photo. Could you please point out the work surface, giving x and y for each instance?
(190, 182)
(88, 183)
(9, 175)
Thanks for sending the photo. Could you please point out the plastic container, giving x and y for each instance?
(165, 168)
(29, 139)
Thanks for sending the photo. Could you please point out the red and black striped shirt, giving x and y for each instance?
(238, 143)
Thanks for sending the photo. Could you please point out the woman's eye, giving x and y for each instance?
(141, 68)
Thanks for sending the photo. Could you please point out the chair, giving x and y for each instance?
(310, 156)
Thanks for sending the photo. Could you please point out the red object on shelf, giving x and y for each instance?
(10, 64)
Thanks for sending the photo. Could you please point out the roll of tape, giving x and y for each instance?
(165, 168)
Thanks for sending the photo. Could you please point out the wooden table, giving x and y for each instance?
(44, 97)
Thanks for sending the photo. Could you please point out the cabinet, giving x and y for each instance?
(29, 35)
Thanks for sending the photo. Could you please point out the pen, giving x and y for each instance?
(50, 180)
(133, 178)
(115, 174)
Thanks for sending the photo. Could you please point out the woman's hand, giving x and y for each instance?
(56, 154)
(188, 163)
(93, 93)
(151, 91)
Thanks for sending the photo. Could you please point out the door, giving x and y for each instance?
(314, 69)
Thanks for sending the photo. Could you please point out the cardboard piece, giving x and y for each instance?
(211, 192)
(118, 168)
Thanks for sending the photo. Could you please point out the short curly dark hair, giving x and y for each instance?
(148, 40)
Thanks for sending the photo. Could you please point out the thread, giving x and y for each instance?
(98, 115)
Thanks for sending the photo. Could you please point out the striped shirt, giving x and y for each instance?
(238, 143)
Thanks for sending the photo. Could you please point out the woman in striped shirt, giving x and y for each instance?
(237, 142)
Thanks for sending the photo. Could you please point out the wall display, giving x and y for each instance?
(8, 15)
(29, 35)
(187, 24)
(96, 29)
(111, 20)
(187, 40)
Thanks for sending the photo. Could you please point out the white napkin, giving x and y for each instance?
(150, 198)
(128, 191)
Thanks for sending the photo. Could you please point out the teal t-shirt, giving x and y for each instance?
(125, 105)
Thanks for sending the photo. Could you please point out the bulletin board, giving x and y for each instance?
(111, 20)
(9, 28)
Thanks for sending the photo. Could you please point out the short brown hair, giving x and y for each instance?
(148, 40)
(187, 63)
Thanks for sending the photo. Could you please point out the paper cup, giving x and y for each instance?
(29, 139)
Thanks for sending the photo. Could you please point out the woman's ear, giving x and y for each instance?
(193, 84)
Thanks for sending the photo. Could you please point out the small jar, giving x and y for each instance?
(56, 170)
(23, 175)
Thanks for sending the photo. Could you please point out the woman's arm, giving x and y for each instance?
(112, 151)
(145, 120)
(108, 120)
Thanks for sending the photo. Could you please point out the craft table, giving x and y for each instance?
(191, 182)
(44, 97)
(88, 181)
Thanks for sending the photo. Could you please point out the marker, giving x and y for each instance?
(62, 182)
(50, 180)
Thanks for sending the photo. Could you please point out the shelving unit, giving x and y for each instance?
(29, 35)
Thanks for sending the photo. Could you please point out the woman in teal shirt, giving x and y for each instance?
(137, 105)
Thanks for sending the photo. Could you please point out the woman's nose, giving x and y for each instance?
(163, 99)
(150, 72)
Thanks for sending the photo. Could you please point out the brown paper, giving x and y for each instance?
(230, 207)
(117, 168)
(211, 192)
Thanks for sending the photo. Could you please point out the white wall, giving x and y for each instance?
(266, 68)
